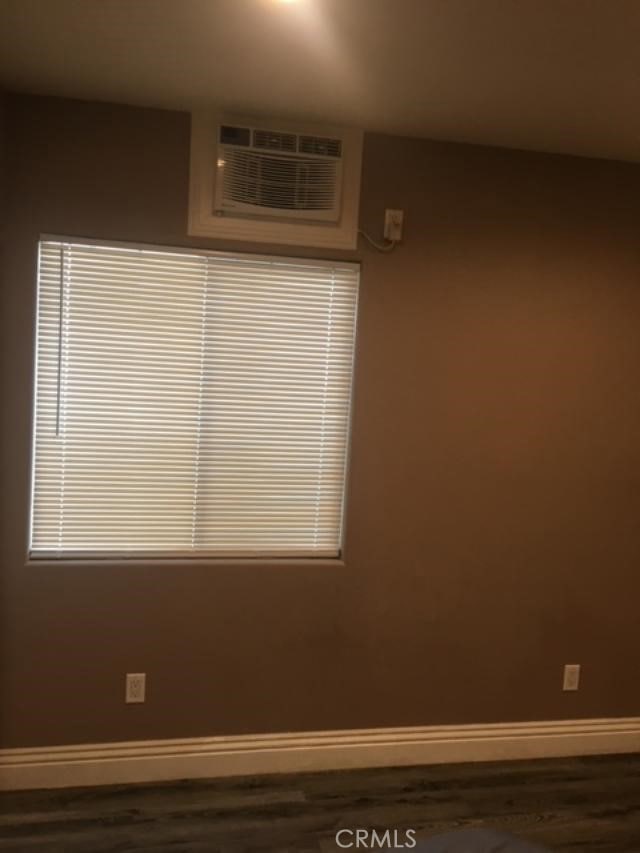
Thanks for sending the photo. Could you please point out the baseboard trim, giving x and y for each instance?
(163, 760)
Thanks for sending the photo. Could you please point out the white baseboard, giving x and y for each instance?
(160, 760)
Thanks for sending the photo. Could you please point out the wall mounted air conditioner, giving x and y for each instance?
(276, 182)
(275, 173)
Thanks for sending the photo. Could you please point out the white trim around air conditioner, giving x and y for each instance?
(237, 755)
(204, 223)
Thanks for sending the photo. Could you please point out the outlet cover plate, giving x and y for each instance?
(136, 686)
(571, 680)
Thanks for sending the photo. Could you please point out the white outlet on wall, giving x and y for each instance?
(571, 679)
(136, 685)
(393, 220)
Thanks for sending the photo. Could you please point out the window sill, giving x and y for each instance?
(242, 562)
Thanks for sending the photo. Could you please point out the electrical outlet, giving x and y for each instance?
(393, 220)
(571, 676)
(136, 685)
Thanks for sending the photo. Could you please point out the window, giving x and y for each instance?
(190, 403)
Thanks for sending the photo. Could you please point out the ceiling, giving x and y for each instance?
(550, 75)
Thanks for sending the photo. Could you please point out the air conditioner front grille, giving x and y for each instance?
(285, 183)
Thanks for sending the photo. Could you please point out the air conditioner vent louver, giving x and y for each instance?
(274, 140)
(279, 182)
(319, 145)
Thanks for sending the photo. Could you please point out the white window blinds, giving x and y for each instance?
(190, 403)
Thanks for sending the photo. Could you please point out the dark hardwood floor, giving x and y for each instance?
(586, 804)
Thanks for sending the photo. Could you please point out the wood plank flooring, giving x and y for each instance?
(584, 804)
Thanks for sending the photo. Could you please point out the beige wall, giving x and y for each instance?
(492, 526)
